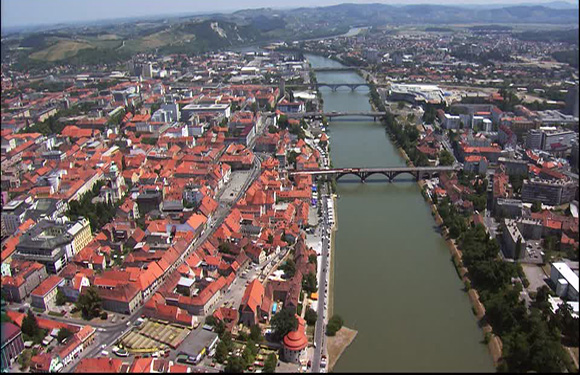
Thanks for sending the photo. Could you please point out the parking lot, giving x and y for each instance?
(535, 276)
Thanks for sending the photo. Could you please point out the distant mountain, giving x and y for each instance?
(106, 41)
(552, 5)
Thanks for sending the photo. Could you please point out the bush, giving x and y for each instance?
(104, 315)
(310, 316)
(334, 325)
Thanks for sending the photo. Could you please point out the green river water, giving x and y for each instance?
(394, 281)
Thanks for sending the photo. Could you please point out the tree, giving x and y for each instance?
(334, 325)
(60, 298)
(235, 365)
(289, 268)
(89, 303)
(517, 181)
(309, 283)
(313, 258)
(30, 325)
(283, 322)
(310, 316)
(255, 333)
(567, 324)
(226, 338)
(210, 320)
(63, 334)
(292, 158)
(283, 122)
(224, 247)
(445, 158)
(248, 355)
(221, 352)
(270, 363)
(536, 206)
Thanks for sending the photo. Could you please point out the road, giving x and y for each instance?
(319, 337)
(111, 333)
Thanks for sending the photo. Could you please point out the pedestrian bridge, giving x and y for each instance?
(363, 173)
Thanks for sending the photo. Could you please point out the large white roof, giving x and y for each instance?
(567, 274)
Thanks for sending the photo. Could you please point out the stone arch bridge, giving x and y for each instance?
(363, 173)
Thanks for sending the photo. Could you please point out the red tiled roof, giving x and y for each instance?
(99, 365)
(47, 285)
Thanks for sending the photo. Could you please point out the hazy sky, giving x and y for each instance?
(35, 12)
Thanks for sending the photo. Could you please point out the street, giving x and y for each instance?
(319, 336)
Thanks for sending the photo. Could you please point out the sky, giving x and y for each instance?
(46, 12)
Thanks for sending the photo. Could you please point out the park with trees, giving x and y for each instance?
(532, 338)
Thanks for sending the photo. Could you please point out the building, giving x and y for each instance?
(574, 155)
(24, 278)
(534, 139)
(99, 365)
(194, 109)
(251, 302)
(510, 208)
(475, 164)
(290, 107)
(566, 281)
(572, 102)
(49, 243)
(451, 121)
(511, 235)
(12, 345)
(558, 138)
(147, 70)
(549, 138)
(13, 215)
(295, 342)
(416, 93)
(554, 117)
(551, 193)
(44, 296)
(123, 299)
(81, 234)
(514, 166)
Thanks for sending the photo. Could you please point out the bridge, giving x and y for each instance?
(336, 69)
(330, 115)
(363, 173)
(335, 86)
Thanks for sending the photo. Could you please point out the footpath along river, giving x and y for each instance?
(394, 281)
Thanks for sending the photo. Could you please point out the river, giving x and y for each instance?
(394, 281)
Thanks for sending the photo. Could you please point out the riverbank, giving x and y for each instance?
(337, 345)
(393, 141)
(377, 250)
(331, 254)
(494, 343)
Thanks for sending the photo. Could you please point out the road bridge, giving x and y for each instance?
(336, 86)
(363, 173)
(330, 115)
(336, 69)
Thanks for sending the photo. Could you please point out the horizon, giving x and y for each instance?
(47, 14)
